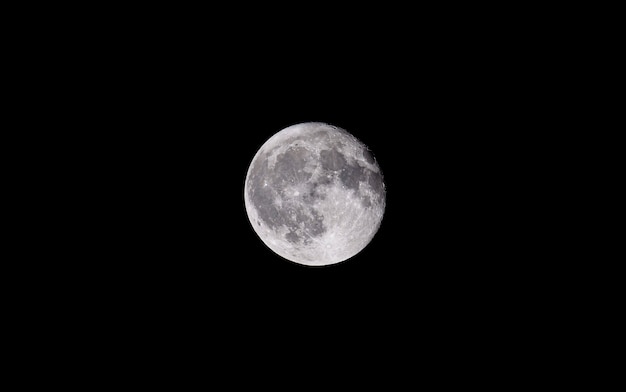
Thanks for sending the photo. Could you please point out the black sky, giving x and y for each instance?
(168, 118)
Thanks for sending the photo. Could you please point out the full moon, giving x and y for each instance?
(314, 194)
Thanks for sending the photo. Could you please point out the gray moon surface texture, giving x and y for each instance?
(314, 194)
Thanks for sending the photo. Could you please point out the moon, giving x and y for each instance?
(314, 194)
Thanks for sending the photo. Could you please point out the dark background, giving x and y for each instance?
(160, 115)
(180, 119)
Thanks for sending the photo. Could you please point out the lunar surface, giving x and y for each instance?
(314, 194)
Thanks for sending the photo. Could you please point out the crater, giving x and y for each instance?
(367, 155)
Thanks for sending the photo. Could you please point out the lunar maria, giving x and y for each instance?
(314, 194)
